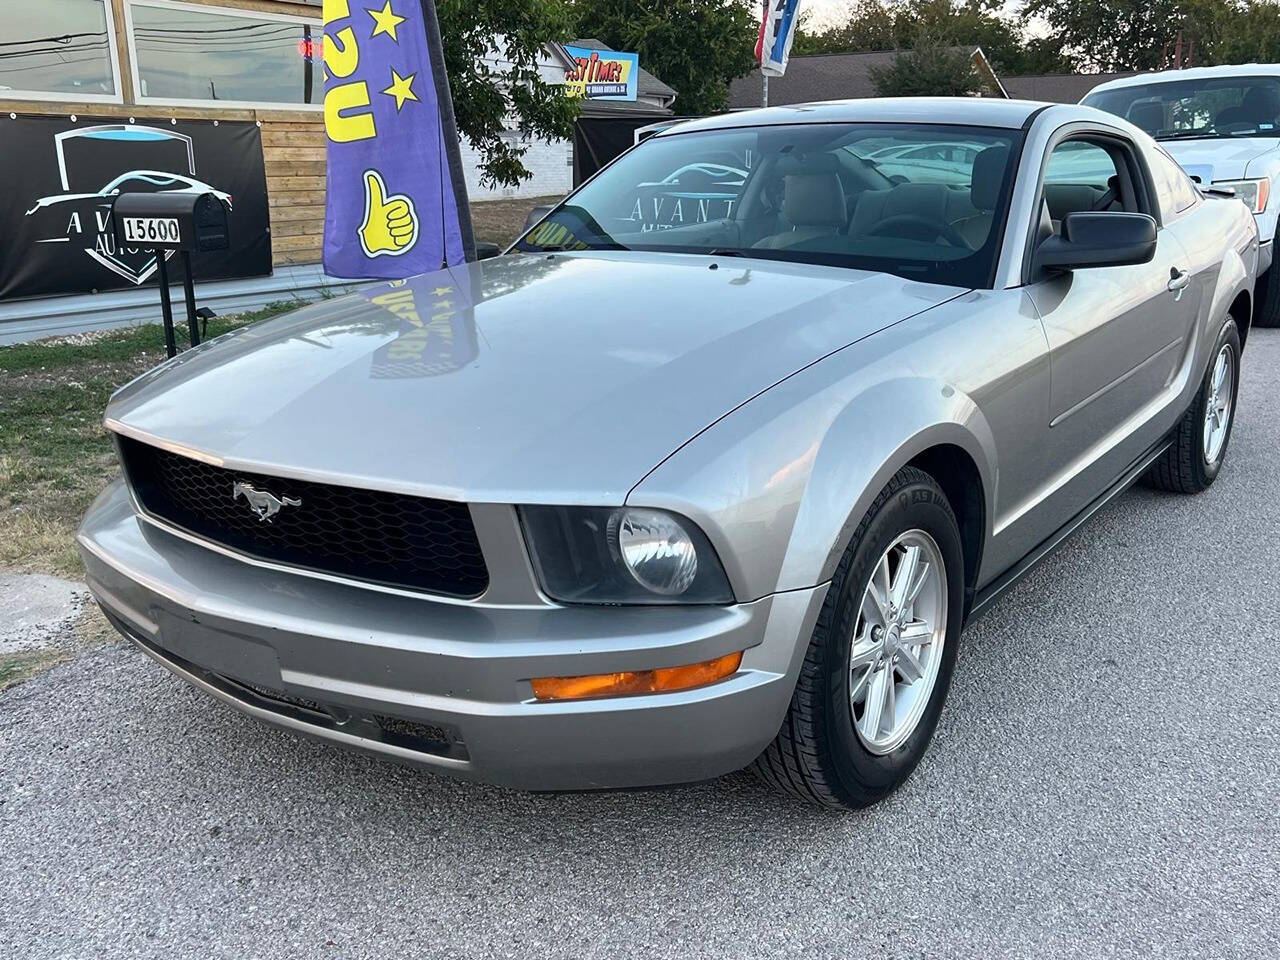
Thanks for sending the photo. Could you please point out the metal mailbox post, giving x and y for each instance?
(167, 222)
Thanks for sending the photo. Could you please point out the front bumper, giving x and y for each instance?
(445, 684)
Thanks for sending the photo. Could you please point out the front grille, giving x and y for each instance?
(369, 535)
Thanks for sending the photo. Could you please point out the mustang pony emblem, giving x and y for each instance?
(265, 505)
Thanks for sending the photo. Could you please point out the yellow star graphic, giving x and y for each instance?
(441, 291)
(386, 21)
(401, 88)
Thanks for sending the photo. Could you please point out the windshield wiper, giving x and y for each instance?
(725, 252)
(574, 248)
(1202, 134)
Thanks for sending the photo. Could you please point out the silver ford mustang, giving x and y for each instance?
(709, 471)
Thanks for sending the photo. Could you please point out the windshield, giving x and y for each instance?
(1186, 109)
(921, 201)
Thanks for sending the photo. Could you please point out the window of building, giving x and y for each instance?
(58, 50)
(188, 54)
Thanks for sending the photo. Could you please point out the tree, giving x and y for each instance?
(930, 69)
(1111, 36)
(871, 25)
(487, 96)
(897, 25)
(1232, 32)
(694, 46)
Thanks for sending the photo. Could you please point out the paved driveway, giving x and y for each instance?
(1105, 782)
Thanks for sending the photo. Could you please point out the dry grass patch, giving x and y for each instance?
(501, 221)
(16, 667)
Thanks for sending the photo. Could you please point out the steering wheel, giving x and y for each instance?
(915, 226)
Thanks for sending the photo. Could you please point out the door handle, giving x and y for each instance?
(1178, 280)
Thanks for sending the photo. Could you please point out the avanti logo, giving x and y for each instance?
(98, 163)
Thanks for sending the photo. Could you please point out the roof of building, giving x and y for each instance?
(840, 76)
(971, 111)
(827, 76)
(1056, 87)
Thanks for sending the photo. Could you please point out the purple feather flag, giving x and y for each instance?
(396, 201)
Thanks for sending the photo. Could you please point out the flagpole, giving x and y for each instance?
(764, 89)
(448, 127)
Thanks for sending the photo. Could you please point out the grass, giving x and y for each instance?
(16, 667)
(54, 453)
(91, 630)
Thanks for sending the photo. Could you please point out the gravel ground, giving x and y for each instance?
(1104, 783)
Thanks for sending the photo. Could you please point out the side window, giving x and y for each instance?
(1081, 176)
(1174, 189)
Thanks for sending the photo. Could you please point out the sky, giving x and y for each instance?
(823, 13)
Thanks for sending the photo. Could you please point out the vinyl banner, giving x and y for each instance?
(396, 203)
(778, 23)
(61, 175)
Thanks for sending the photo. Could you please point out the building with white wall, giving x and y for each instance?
(551, 163)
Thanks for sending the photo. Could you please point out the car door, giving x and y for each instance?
(1116, 334)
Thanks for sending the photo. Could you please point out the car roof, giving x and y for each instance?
(960, 111)
(1192, 73)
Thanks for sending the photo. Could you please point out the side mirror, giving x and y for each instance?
(537, 213)
(1098, 240)
(487, 251)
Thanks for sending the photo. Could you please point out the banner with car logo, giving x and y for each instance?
(61, 175)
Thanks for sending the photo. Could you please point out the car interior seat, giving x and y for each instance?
(1257, 108)
(813, 202)
(934, 202)
(1147, 115)
(984, 193)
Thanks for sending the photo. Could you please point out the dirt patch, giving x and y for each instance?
(40, 624)
(501, 221)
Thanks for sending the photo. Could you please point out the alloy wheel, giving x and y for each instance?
(1218, 409)
(897, 642)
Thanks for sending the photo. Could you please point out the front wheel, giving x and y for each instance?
(1199, 447)
(879, 663)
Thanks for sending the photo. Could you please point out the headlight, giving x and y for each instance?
(1255, 193)
(655, 549)
(622, 555)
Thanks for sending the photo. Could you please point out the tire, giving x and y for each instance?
(1267, 298)
(1190, 465)
(821, 753)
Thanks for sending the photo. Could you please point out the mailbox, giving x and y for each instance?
(167, 222)
(171, 221)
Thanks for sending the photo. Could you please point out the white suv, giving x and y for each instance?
(1222, 124)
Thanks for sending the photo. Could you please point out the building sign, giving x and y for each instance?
(602, 74)
(62, 175)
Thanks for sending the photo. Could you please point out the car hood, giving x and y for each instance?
(519, 379)
(1218, 159)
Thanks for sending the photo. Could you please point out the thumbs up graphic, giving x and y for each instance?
(390, 225)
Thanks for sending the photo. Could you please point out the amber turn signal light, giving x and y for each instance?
(663, 680)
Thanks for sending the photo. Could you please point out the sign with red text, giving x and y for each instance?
(602, 74)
